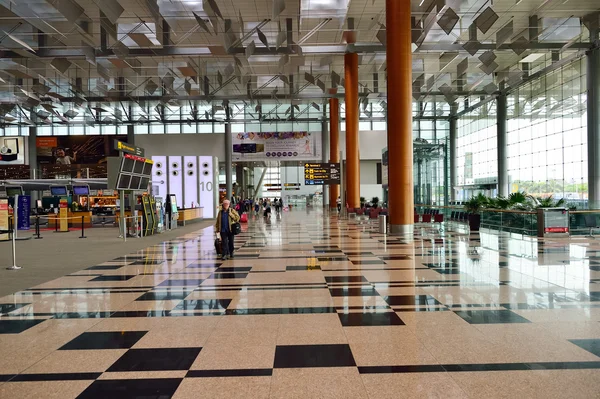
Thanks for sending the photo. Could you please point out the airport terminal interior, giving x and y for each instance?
(411, 189)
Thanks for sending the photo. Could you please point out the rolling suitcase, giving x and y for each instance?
(244, 218)
(218, 246)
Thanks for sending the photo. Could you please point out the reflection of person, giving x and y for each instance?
(307, 147)
(63, 159)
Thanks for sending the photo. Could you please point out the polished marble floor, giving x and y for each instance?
(315, 307)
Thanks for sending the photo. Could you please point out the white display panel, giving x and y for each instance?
(206, 186)
(160, 176)
(175, 181)
(190, 181)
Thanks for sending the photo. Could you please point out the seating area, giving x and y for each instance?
(429, 215)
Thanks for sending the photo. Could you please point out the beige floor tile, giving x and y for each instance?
(247, 330)
(322, 383)
(224, 388)
(76, 361)
(43, 389)
(530, 384)
(216, 356)
(375, 334)
(310, 329)
(412, 385)
(408, 352)
(182, 332)
(204, 294)
(290, 277)
(143, 375)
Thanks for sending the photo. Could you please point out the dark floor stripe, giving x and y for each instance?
(433, 368)
(229, 373)
(55, 377)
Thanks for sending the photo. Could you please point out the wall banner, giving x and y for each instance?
(277, 146)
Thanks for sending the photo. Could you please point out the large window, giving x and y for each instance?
(477, 151)
(547, 135)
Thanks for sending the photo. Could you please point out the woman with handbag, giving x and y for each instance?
(227, 225)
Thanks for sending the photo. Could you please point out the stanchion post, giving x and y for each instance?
(56, 223)
(14, 247)
(82, 228)
(37, 227)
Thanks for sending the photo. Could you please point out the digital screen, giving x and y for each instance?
(138, 168)
(127, 165)
(81, 190)
(144, 185)
(12, 191)
(147, 168)
(123, 182)
(173, 204)
(245, 148)
(58, 190)
(135, 183)
(39, 204)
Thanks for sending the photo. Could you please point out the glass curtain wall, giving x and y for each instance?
(547, 135)
(477, 152)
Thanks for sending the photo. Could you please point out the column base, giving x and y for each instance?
(405, 230)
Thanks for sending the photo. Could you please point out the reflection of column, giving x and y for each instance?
(352, 154)
(593, 122)
(452, 150)
(502, 145)
(334, 146)
(400, 143)
(324, 152)
(228, 165)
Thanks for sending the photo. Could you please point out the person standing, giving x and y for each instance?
(226, 217)
(339, 204)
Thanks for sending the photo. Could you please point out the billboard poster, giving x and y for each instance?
(76, 150)
(12, 151)
(277, 146)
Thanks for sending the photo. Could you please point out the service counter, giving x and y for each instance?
(189, 215)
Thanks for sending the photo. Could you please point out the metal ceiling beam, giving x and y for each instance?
(75, 53)
(242, 97)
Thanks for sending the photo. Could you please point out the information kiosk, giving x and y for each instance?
(172, 212)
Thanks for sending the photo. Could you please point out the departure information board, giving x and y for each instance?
(321, 173)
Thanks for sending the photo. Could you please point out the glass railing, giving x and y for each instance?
(584, 222)
(520, 222)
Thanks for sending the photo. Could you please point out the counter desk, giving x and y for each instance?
(189, 215)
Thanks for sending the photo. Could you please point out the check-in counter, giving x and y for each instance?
(189, 215)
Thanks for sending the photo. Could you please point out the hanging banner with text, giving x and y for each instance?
(277, 146)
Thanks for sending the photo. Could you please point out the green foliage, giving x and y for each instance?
(375, 200)
(520, 201)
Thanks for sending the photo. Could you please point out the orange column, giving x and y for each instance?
(352, 157)
(334, 146)
(399, 108)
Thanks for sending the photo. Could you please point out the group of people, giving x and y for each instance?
(227, 216)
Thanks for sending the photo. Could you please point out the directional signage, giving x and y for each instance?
(321, 173)
(131, 149)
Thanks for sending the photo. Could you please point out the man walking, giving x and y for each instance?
(226, 217)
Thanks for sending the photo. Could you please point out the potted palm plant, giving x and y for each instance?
(474, 206)
(375, 201)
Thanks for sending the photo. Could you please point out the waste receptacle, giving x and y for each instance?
(382, 224)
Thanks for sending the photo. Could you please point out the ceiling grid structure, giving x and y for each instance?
(202, 52)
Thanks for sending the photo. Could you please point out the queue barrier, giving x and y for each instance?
(135, 230)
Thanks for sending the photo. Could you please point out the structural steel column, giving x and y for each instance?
(334, 146)
(593, 122)
(130, 135)
(228, 165)
(352, 154)
(399, 121)
(452, 156)
(502, 145)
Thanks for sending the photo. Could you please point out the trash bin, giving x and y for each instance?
(382, 224)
